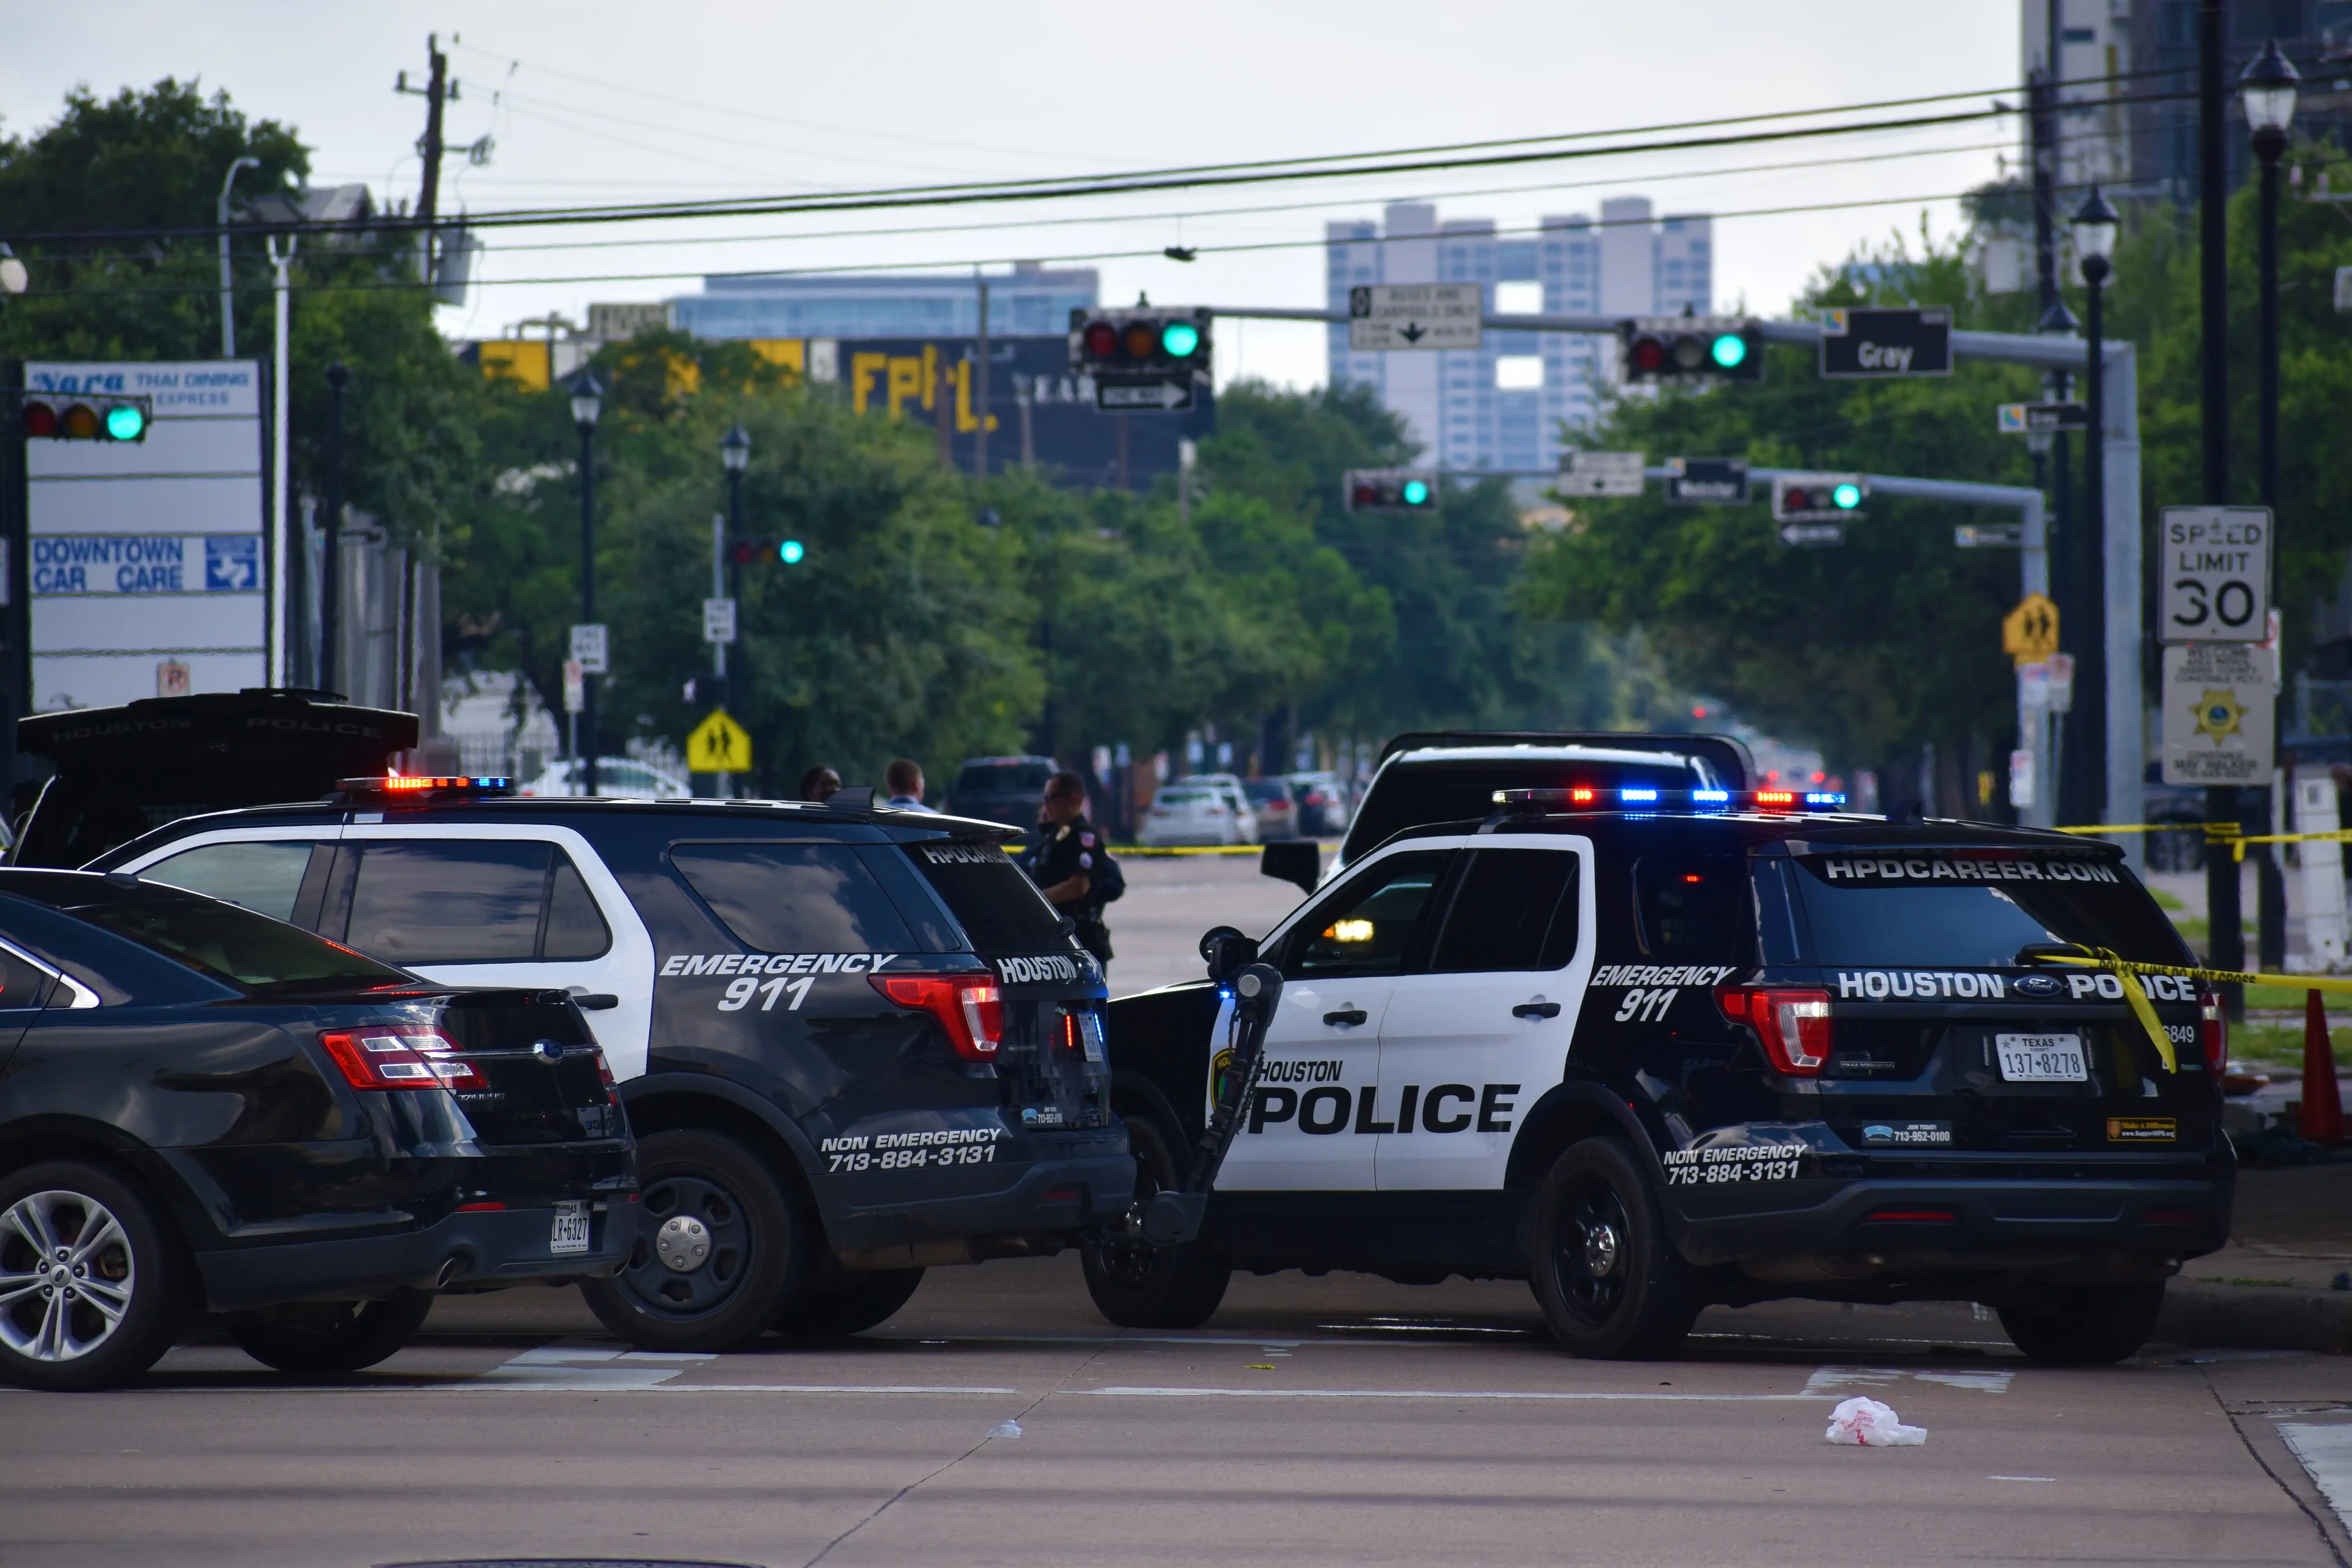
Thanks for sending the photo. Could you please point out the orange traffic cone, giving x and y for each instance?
(2322, 1119)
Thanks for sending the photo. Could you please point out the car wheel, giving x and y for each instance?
(1609, 1281)
(1137, 1284)
(92, 1289)
(323, 1339)
(841, 1311)
(721, 1250)
(2087, 1325)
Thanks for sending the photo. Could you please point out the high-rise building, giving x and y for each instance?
(1503, 405)
(1031, 300)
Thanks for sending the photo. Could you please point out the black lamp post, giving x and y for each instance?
(2067, 747)
(2094, 247)
(2269, 88)
(331, 572)
(735, 451)
(587, 402)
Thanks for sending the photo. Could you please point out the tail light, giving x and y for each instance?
(399, 1055)
(612, 1085)
(1793, 1025)
(969, 1007)
(2214, 1027)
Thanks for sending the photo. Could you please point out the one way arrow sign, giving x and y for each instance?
(1391, 316)
(1143, 396)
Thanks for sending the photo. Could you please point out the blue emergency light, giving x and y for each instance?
(1590, 797)
(398, 787)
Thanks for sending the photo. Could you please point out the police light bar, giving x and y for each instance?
(1595, 798)
(419, 786)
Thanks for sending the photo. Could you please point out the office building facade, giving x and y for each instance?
(1031, 300)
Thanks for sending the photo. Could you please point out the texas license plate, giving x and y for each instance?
(570, 1233)
(2041, 1058)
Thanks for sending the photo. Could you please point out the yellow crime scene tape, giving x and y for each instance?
(1156, 850)
(2128, 972)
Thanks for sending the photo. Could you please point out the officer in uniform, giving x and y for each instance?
(1070, 864)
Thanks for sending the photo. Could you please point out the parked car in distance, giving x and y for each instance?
(208, 1108)
(1323, 804)
(1273, 806)
(1190, 813)
(1000, 789)
(617, 778)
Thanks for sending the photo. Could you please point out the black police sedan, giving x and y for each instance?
(204, 1108)
(1649, 1050)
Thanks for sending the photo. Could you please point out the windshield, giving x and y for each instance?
(993, 898)
(1266, 794)
(1974, 909)
(1003, 778)
(251, 952)
(1180, 797)
(1413, 794)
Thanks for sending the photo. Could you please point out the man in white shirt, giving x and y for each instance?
(904, 779)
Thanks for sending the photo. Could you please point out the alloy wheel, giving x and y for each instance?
(67, 1276)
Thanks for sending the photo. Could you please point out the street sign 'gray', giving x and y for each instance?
(2213, 570)
(1706, 481)
(1599, 473)
(1143, 396)
(1878, 343)
(2034, 418)
(1392, 316)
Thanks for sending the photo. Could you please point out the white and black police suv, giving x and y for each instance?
(1649, 1052)
(853, 1042)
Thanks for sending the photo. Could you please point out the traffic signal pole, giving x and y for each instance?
(2119, 527)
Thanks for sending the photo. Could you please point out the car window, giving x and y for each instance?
(794, 897)
(1181, 796)
(247, 950)
(262, 875)
(1514, 909)
(21, 981)
(1367, 924)
(994, 899)
(470, 900)
(1413, 795)
(1901, 909)
(1695, 907)
(1002, 778)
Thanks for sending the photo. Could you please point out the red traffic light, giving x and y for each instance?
(40, 420)
(1796, 497)
(1101, 340)
(1365, 494)
(1649, 354)
(747, 552)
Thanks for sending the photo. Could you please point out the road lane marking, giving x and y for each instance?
(2326, 1453)
(2021, 1478)
(1147, 1393)
(1828, 1378)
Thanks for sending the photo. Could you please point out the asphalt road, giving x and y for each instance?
(1330, 1420)
(1155, 930)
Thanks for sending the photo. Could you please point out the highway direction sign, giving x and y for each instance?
(1881, 343)
(1392, 316)
(717, 620)
(1706, 481)
(1812, 533)
(1143, 396)
(1600, 473)
(2218, 708)
(588, 648)
(2034, 418)
(2215, 568)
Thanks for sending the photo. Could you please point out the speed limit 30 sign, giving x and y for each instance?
(2215, 563)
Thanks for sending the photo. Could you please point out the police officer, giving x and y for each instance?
(1069, 863)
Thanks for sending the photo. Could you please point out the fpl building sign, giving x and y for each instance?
(147, 567)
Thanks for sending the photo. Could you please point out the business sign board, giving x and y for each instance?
(148, 555)
(2218, 703)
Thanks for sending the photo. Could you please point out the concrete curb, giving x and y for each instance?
(2256, 1316)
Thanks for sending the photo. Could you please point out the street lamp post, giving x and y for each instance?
(735, 451)
(330, 576)
(228, 301)
(2269, 89)
(2094, 247)
(2072, 802)
(587, 402)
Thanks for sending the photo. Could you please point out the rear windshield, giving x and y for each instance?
(1264, 793)
(1953, 910)
(1412, 794)
(794, 897)
(249, 950)
(1003, 778)
(993, 898)
(1181, 796)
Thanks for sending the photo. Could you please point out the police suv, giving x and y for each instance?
(1650, 1051)
(853, 1042)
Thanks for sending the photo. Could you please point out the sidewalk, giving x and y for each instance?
(2272, 1287)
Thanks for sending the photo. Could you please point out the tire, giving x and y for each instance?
(326, 1339)
(723, 1248)
(60, 1333)
(2088, 1325)
(1611, 1284)
(1137, 1284)
(837, 1313)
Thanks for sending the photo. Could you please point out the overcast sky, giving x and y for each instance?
(589, 100)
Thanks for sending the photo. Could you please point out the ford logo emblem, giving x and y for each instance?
(2038, 986)
(549, 1051)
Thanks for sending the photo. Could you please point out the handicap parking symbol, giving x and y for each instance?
(233, 563)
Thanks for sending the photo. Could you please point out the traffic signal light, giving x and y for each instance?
(1390, 490)
(1809, 498)
(752, 551)
(91, 417)
(1145, 343)
(1689, 350)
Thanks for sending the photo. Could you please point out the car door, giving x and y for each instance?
(485, 904)
(1308, 1123)
(1478, 1033)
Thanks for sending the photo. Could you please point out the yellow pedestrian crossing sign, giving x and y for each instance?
(2031, 630)
(719, 745)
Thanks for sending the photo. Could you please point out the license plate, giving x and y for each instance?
(570, 1232)
(2041, 1058)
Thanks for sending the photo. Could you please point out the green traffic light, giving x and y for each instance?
(1730, 350)
(1416, 493)
(1178, 340)
(790, 551)
(125, 422)
(1846, 497)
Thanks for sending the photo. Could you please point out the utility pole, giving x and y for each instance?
(437, 91)
(2227, 942)
(2077, 800)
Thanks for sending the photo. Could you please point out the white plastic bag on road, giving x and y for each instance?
(1869, 1424)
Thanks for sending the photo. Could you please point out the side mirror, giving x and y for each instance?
(1298, 860)
(1227, 952)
